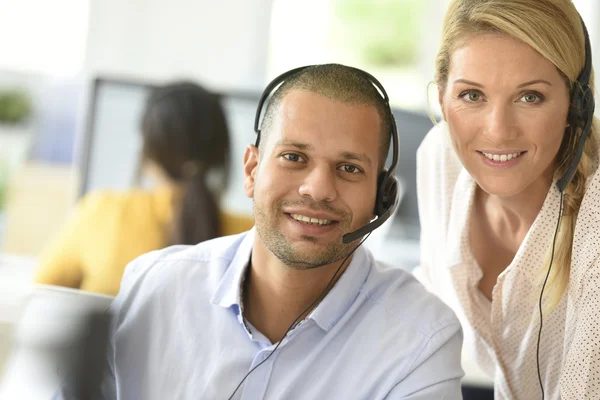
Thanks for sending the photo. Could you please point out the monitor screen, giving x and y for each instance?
(111, 147)
(412, 128)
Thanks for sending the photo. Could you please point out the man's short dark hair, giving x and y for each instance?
(336, 82)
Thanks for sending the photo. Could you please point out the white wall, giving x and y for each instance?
(590, 12)
(43, 37)
(221, 43)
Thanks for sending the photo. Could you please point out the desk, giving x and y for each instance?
(474, 376)
(16, 275)
(52, 335)
(39, 198)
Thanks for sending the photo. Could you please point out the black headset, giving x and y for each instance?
(581, 112)
(387, 183)
(581, 116)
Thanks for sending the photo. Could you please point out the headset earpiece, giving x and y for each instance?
(387, 192)
(581, 114)
(581, 98)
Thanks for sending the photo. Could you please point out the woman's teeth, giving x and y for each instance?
(309, 220)
(501, 157)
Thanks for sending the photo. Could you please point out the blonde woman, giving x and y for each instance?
(490, 204)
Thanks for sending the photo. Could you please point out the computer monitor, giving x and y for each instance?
(111, 146)
(110, 151)
(412, 128)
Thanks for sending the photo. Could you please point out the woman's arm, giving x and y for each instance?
(61, 263)
(581, 373)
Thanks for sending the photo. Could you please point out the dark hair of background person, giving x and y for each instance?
(185, 132)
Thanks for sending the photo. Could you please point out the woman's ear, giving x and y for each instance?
(251, 162)
(441, 101)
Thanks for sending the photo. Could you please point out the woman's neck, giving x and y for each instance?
(514, 214)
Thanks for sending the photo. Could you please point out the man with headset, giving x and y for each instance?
(295, 308)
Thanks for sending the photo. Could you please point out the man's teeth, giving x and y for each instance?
(503, 157)
(309, 220)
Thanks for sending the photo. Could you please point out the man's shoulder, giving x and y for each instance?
(205, 260)
(403, 298)
(413, 326)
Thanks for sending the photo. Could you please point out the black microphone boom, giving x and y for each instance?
(370, 227)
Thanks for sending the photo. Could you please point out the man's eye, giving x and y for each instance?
(351, 169)
(292, 157)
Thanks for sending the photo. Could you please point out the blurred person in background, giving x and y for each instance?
(185, 142)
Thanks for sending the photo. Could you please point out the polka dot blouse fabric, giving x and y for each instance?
(501, 335)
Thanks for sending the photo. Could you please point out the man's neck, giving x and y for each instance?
(275, 295)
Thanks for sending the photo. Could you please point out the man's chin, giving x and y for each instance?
(310, 256)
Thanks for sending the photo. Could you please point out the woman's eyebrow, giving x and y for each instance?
(533, 82)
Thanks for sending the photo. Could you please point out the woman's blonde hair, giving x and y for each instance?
(554, 29)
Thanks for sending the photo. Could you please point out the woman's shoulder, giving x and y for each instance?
(106, 202)
(588, 216)
(586, 251)
(590, 204)
(233, 223)
(110, 197)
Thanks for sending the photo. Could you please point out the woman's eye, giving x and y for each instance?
(292, 157)
(531, 98)
(471, 96)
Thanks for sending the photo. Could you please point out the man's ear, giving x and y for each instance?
(251, 158)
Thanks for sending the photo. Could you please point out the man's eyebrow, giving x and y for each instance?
(348, 155)
(293, 143)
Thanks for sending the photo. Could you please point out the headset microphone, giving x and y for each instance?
(370, 227)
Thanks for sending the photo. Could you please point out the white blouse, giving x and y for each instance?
(501, 335)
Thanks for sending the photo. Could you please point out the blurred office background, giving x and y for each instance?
(84, 67)
(76, 73)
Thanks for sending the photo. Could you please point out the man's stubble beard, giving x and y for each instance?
(278, 244)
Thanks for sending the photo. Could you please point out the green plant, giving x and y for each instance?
(384, 32)
(3, 183)
(15, 106)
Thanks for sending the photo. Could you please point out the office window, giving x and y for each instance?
(395, 40)
(46, 37)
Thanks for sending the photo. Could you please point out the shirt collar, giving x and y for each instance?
(331, 308)
(228, 291)
(542, 230)
(458, 250)
(344, 292)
